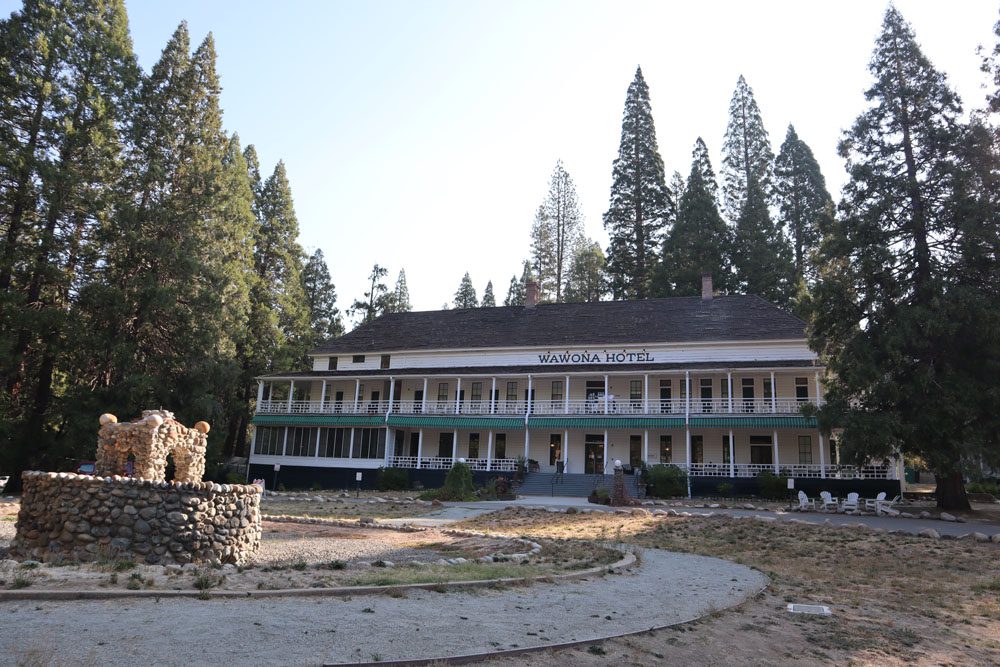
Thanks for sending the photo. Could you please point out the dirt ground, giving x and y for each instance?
(896, 600)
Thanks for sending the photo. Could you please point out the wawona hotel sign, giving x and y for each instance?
(602, 357)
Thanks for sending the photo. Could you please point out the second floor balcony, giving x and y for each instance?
(542, 407)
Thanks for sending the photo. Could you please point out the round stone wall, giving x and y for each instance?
(78, 518)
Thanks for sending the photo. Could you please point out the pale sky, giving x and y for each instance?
(421, 135)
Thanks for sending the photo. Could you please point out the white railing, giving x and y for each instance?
(445, 463)
(541, 407)
(798, 470)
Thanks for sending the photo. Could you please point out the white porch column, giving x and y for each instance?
(774, 394)
(392, 396)
(822, 457)
(565, 451)
(604, 470)
(687, 448)
(527, 444)
(390, 441)
(687, 399)
(817, 388)
(357, 393)
(420, 445)
(253, 444)
(527, 406)
(423, 399)
(284, 442)
(260, 394)
(489, 451)
(454, 446)
(645, 394)
(776, 452)
(322, 396)
(732, 455)
(645, 446)
(493, 396)
(458, 394)
(605, 398)
(319, 429)
(566, 397)
(729, 380)
(291, 394)
(350, 452)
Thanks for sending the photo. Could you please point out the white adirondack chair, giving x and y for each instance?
(828, 502)
(851, 503)
(872, 504)
(883, 505)
(805, 502)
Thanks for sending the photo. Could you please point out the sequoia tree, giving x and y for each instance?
(640, 201)
(802, 198)
(746, 152)
(905, 310)
(700, 240)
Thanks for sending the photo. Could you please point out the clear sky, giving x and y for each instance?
(421, 135)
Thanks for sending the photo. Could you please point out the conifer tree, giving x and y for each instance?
(466, 297)
(398, 301)
(321, 299)
(761, 256)
(515, 293)
(587, 277)
(895, 314)
(373, 303)
(803, 200)
(489, 300)
(746, 152)
(676, 188)
(640, 203)
(556, 234)
(700, 240)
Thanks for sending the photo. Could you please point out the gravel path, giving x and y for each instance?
(666, 588)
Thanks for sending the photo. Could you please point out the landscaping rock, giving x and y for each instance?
(928, 532)
(947, 517)
(980, 537)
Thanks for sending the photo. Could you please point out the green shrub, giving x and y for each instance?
(393, 479)
(725, 489)
(666, 481)
(235, 478)
(772, 486)
(458, 483)
(992, 488)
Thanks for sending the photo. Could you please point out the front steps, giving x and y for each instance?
(578, 486)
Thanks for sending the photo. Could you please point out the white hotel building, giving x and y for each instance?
(714, 385)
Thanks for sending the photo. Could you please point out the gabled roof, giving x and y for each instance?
(606, 323)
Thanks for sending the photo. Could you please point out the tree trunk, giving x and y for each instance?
(950, 491)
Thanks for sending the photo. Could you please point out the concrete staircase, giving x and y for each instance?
(579, 486)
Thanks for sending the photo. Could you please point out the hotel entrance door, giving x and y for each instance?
(593, 454)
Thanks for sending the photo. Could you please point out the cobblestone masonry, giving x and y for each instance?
(150, 439)
(68, 518)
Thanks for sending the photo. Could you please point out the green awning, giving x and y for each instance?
(455, 422)
(319, 420)
(606, 422)
(753, 422)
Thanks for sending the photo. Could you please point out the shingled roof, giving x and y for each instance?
(675, 320)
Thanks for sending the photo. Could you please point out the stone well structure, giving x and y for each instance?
(66, 517)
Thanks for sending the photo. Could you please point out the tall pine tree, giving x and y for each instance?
(321, 299)
(556, 234)
(640, 201)
(746, 152)
(700, 241)
(904, 330)
(466, 297)
(761, 255)
(398, 301)
(489, 299)
(803, 200)
(587, 274)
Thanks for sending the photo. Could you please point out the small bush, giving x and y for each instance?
(771, 486)
(458, 484)
(393, 479)
(666, 481)
(725, 489)
(992, 488)
(235, 478)
(599, 496)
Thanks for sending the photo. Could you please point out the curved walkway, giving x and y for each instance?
(667, 588)
(914, 526)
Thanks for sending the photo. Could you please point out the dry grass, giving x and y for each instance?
(345, 509)
(896, 599)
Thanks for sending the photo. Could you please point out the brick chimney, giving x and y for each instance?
(531, 294)
(706, 286)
